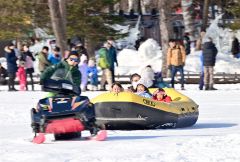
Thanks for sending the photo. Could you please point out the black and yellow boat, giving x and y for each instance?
(128, 111)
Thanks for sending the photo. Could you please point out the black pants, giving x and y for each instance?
(31, 78)
(11, 79)
(113, 75)
(3, 81)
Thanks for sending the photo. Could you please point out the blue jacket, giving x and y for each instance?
(144, 94)
(93, 70)
(11, 61)
(54, 60)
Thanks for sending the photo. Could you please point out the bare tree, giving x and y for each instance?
(187, 10)
(165, 30)
(205, 14)
(58, 19)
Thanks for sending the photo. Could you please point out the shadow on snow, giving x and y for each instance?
(212, 125)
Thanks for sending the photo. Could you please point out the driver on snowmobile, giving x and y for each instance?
(68, 70)
(65, 70)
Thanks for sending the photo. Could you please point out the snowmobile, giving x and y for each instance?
(64, 114)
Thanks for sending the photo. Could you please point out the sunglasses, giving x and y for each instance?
(74, 59)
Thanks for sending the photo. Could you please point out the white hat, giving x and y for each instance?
(144, 82)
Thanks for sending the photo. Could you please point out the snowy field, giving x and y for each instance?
(215, 137)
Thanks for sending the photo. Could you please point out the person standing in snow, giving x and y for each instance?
(209, 59)
(43, 61)
(201, 81)
(199, 43)
(235, 47)
(55, 57)
(176, 60)
(11, 65)
(83, 66)
(28, 58)
(112, 52)
(93, 75)
(104, 63)
(199, 46)
(22, 77)
(81, 49)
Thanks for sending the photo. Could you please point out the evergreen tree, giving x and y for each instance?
(90, 19)
(233, 10)
(20, 17)
(14, 20)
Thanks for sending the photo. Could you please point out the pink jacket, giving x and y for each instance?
(21, 74)
(29, 62)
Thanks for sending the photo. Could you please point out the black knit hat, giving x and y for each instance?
(57, 49)
(10, 44)
(75, 53)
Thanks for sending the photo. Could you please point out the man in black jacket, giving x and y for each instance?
(11, 65)
(209, 59)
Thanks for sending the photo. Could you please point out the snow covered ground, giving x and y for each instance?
(214, 138)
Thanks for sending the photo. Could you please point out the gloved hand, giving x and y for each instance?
(169, 67)
(90, 74)
(41, 82)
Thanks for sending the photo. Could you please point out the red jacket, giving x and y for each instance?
(165, 99)
(21, 74)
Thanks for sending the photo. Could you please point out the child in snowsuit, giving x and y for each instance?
(21, 74)
(160, 95)
(93, 75)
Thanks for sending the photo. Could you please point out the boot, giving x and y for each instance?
(90, 87)
(211, 87)
(95, 88)
(207, 87)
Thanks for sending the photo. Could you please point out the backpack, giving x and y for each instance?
(102, 62)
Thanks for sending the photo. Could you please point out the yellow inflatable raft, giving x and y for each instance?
(129, 111)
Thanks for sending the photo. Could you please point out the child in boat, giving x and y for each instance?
(134, 81)
(142, 89)
(160, 95)
(116, 88)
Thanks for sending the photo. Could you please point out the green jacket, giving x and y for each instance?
(43, 62)
(62, 71)
(104, 59)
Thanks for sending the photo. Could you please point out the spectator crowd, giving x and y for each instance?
(20, 64)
